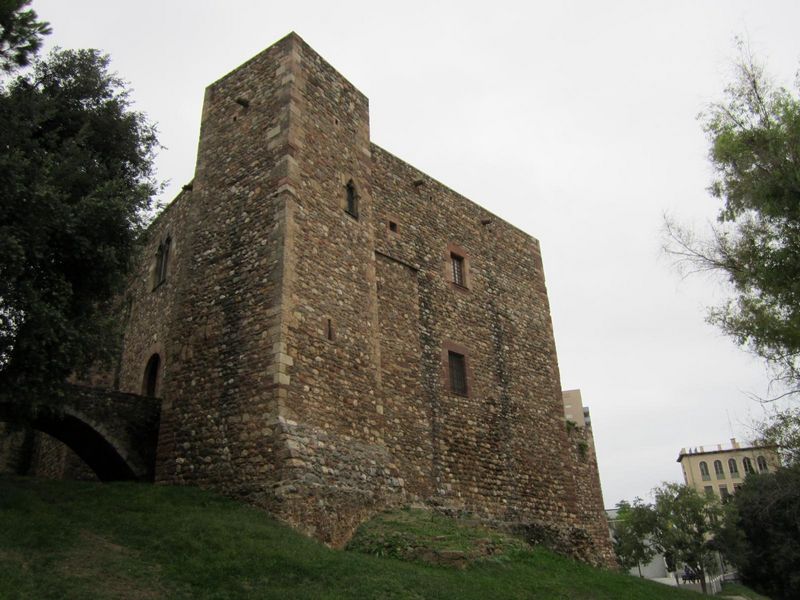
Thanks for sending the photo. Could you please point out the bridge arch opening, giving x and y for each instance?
(115, 434)
(92, 448)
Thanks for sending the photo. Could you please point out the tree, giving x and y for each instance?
(685, 523)
(632, 529)
(76, 180)
(782, 429)
(755, 245)
(21, 34)
(764, 528)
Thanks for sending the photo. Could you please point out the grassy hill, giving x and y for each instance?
(66, 540)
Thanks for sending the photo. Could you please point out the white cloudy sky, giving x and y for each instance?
(576, 121)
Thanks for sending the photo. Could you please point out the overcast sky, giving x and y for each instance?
(575, 121)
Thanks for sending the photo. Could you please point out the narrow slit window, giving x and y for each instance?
(165, 260)
(458, 268)
(457, 365)
(161, 262)
(329, 330)
(393, 226)
(158, 261)
(351, 206)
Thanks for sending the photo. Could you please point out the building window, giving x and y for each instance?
(718, 469)
(457, 366)
(150, 382)
(392, 226)
(709, 490)
(724, 493)
(457, 264)
(456, 267)
(748, 466)
(165, 259)
(351, 200)
(456, 369)
(329, 330)
(733, 468)
(762, 464)
(161, 262)
(704, 471)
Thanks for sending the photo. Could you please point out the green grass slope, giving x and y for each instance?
(70, 540)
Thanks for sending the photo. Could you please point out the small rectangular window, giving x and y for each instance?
(458, 373)
(458, 268)
(709, 490)
(393, 226)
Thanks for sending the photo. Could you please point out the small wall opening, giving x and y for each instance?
(351, 199)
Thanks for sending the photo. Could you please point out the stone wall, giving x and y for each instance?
(591, 511)
(223, 351)
(501, 449)
(304, 334)
(16, 447)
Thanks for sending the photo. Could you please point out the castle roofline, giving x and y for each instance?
(423, 175)
(294, 39)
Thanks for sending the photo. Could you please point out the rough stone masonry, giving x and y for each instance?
(334, 332)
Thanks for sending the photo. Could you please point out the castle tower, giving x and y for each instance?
(336, 332)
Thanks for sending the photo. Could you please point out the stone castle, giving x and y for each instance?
(333, 332)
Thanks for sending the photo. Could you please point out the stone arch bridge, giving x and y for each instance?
(114, 433)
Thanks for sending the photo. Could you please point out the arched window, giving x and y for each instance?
(150, 382)
(704, 471)
(748, 465)
(733, 468)
(762, 464)
(351, 199)
(718, 469)
(161, 262)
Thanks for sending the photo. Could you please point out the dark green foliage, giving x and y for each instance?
(632, 528)
(765, 529)
(80, 540)
(684, 525)
(76, 180)
(755, 152)
(21, 34)
(681, 524)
